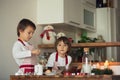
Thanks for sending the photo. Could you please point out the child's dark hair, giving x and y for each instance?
(23, 24)
(65, 40)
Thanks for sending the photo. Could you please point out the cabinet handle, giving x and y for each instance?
(89, 27)
(74, 23)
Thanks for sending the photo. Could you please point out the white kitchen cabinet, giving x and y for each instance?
(75, 13)
(106, 27)
(89, 15)
(59, 11)
(50, 11)
(67, 11)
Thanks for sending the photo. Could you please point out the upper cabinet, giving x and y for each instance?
(79, 13)
(89, 15)
(74, 12)
(51, 11)
(59, 11)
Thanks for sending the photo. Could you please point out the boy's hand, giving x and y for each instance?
(36, 51)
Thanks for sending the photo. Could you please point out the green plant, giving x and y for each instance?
(108, 71)
(105, 71)
(97, 71)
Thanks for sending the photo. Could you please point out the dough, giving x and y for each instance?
(47, 71)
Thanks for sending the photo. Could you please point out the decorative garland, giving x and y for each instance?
(105, 71)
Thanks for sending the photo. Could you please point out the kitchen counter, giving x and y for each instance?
(37, 77)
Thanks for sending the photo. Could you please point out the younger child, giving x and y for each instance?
(23, 52)
(60, 57)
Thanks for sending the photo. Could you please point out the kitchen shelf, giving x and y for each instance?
(77, 45)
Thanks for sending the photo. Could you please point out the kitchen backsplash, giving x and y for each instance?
(70, 31)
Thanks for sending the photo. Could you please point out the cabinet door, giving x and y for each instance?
(89, 15)
(74, 12)
(50, 11)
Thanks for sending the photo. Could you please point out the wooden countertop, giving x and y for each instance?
(37, 77)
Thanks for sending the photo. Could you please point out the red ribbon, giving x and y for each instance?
(66, 58)
(28, 68)
(21, 41)
(46, 31)
(27, 65)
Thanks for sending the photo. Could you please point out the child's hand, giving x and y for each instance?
(55, 66)
(36, 51)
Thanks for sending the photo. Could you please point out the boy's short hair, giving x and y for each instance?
(23, 24)
(65, 40)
